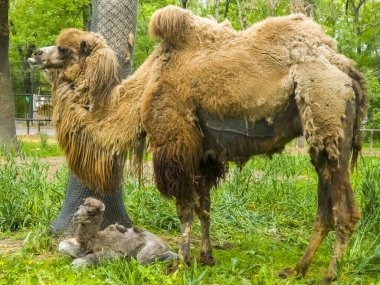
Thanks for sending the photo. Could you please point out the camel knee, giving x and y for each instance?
(346, 220)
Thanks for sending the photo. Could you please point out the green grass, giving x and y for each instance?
(40, 148)
(265, 212)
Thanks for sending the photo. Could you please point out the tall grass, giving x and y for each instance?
(265, 212)
(27, 198)
(364, 254)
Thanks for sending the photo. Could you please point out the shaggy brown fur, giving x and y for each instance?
(90, 245)
(283, 75)
(88, 102)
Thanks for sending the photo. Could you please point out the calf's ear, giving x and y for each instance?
(84, 49)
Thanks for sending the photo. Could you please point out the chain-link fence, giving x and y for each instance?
(116, 21)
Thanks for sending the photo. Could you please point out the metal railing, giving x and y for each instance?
(372, 131)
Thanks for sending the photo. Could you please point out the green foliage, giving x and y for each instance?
(36, 23)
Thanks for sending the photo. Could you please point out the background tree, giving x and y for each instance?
(7, 109)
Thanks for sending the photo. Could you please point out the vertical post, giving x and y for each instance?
(371, 142)
(31, 99)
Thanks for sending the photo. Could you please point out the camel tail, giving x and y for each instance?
(360, 90)
(171, 24)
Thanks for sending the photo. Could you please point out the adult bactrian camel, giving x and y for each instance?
(208, 95)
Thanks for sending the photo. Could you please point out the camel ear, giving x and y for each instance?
(84, 49)
(102, 207)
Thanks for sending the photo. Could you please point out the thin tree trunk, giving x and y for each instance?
(240, 15)
(356, 21)
(273, 5)
(184, 3)
(216, 10)
(87, 16)
(226, 9)
(8, 137)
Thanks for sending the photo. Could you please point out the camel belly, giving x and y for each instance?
(235, 139)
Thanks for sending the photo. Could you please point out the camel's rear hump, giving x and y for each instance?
(171, 24)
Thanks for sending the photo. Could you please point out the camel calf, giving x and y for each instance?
(89, 245)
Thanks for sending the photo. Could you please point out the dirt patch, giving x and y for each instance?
(35, 138)
(55, 164)
(9, 246)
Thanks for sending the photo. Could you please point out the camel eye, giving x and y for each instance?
(91, 212)
(63, 50)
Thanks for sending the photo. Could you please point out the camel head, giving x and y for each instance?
(91, 210)
(72, 45)
(79, 56)
(85, 75)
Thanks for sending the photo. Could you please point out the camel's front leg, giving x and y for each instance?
(202, 208)
(185, 213)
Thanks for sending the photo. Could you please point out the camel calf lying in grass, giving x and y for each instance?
(89, 245)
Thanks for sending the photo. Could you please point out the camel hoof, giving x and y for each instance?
(206, 259)
(288, 272)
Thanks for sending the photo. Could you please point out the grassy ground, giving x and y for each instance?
(262, 220)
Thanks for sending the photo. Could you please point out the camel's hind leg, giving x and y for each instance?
(344, 209)
(336, 204)
(323, 224)
(202, 209)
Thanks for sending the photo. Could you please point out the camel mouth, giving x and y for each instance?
(35, 63)
(82, 220)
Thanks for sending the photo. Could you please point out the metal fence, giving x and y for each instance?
(371, 139)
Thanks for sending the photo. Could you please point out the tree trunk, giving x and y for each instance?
(116, 21)
(355, 7)
(184, 3)
(240, 15)
(87, 16)
(226, 9)
(216, 10)
(273, 5)
(8, 137)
